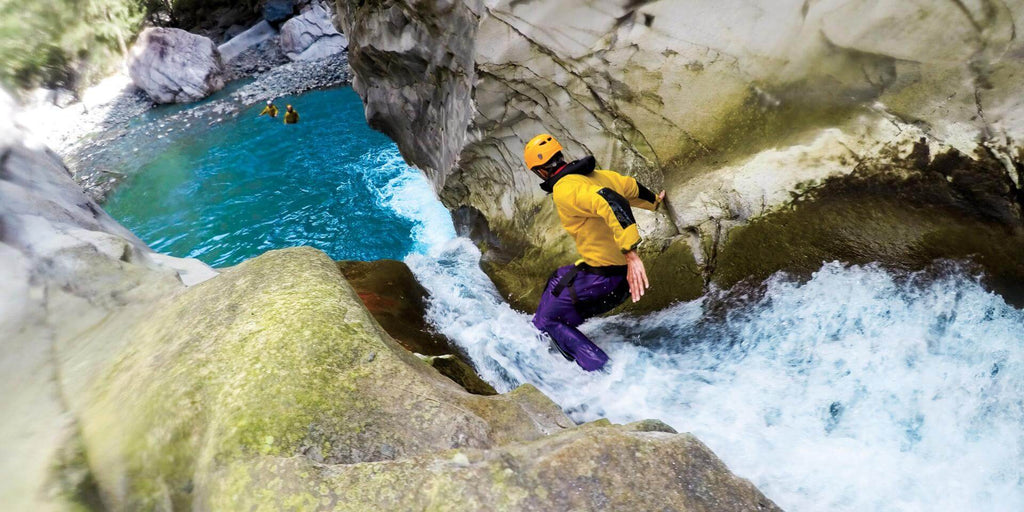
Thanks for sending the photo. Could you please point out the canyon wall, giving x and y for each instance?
(735, 108)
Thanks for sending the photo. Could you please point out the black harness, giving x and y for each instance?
(569, 278)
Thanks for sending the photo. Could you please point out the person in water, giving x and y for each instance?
(595, 208)
(290, 115)
(269, 110)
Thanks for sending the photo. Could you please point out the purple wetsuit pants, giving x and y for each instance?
(593, 291)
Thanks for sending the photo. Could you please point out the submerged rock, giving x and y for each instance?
(397, 301)
(174, 66)
(312, 35)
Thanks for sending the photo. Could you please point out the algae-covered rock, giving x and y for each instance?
(453, 367)
(277, 357)
(600, 467)
(271, 387)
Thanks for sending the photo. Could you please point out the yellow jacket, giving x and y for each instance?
(291, 117)
(595, 209)
(269, 109)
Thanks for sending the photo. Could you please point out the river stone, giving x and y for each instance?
(312, 36)
(174, 66)
(734, 109)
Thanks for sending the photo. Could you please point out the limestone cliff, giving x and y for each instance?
(734, 107)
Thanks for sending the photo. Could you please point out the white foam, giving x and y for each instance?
(410, 195)
(857, 390)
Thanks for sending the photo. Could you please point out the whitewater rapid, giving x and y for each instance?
(858, 389)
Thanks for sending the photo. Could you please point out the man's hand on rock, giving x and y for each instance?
(636, 275)
(659, 200)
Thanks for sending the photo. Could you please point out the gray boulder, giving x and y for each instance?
(276, 11)
(174, 66)
(312, 35)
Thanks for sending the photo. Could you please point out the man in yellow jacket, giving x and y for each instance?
(269, 110)
(290, 115)
(595, 208)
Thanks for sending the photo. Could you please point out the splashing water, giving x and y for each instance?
(856, 390)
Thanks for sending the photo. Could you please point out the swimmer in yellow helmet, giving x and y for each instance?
(269, 110)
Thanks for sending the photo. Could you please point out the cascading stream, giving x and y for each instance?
(858, 389)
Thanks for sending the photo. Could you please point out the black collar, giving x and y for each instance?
(582, 166)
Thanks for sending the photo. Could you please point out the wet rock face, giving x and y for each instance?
(414, 67)
(905, 213)
(397, 301)
(312, 35)
(174, 66)
(731, 114)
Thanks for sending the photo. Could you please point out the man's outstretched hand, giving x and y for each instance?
(636, 275)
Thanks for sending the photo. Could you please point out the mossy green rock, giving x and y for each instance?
(600, 467)
(271, 387)
(277, 357)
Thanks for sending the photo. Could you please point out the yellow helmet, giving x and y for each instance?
(540, 149)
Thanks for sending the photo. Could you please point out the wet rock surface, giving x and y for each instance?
(397, 301)
(904, 214)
